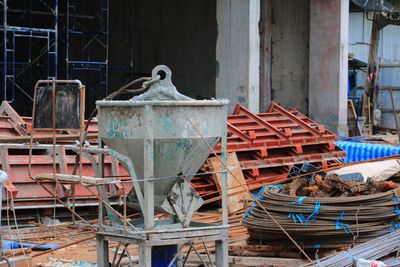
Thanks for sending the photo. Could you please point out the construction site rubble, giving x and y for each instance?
(324, 211)
(332, 185)
(267, 146)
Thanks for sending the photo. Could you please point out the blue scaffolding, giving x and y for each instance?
(11, 34)
(89, 33)
(75, 44)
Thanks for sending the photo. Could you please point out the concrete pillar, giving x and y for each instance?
(238, 52)
(329, 22)
(290, 57)
(265, 29)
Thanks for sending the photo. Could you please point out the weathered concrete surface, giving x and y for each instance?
(178, 33)
(238, 52)
(290, 53)
(328, 63)
(265, 29)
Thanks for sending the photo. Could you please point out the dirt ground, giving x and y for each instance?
(85, 251)
(82, 252)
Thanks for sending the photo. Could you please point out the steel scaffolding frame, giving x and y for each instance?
(86, 30)
(83, 64)
(9, 63)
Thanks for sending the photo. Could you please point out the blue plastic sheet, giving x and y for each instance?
(357, 151)
(8, 244)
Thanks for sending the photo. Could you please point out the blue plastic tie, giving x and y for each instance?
(314, 214)
(344, 226)
(394, 227)
(396, 210)
(260, 197)
(291, 215)
(396, 199)
(247, 213)
(299, 201)
(296, 216)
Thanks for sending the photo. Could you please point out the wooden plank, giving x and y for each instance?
(236, 194)
(352, 119)
(71, 178)
(42, 138)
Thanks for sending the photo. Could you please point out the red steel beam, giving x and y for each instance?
(273, 106)
(261, 122)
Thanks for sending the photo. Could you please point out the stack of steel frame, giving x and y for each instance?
(267, 144)
(27, 194)
(14, 125)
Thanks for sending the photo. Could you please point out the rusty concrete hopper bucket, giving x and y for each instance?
(176, 126)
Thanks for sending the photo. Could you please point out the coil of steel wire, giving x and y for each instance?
(322, 222)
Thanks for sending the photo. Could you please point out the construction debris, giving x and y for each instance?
(264, 149)
(332, 185)
(324, 212)
(267, 146)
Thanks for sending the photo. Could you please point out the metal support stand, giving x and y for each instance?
(152, 235)
(167, 139)
(102, 251)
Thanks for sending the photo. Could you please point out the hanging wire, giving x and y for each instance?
(247, 190)
(15, 222)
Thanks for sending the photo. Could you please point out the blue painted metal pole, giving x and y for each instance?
(5, 50)
(161, 256)
(56, 41)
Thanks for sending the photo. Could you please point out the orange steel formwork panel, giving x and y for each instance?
(267, 144)
(12, 125)
(276, 128)
(14, 158)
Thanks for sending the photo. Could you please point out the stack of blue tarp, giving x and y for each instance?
(359, 151)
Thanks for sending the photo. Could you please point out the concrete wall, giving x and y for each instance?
(238, 52)
(306, 54)
(290, 53)
(328, 63)
(180, 34)
(265, 30)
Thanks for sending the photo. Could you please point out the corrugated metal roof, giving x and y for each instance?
(359, 37)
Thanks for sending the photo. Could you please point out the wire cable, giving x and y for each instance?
(247, 190)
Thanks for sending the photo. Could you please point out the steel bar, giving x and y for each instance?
(371, 250)
(320, 222)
